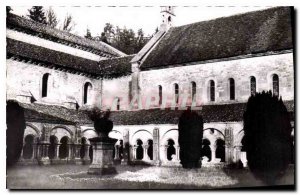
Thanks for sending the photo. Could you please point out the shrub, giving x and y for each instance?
(267, 138)
(190, 138)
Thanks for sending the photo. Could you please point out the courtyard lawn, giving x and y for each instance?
(133, 177)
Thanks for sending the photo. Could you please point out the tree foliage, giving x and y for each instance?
(68, 24)
(37, 14)
(51, 18)
(190, 138)
(88, 34)
(267, 138)
(8, 9)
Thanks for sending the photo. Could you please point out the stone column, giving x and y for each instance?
(145, 149)
(117, 155)
(156, 155)
(126, 149)
(165, 157)
(43, 153)
(135, 84)
(86, 158)
(228, 146)
(177, 153)
(213, 153)
(70, 157)
(56, 151)
(34, 145)
(237, 154)
(21, 155)
(77, 148)
(134, 152)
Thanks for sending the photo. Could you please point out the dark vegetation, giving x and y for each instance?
(267, 138)
(15, 122)
(190, 138)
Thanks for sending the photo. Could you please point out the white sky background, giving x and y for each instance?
(147, 18)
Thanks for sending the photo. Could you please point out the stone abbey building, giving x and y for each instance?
(58, 77)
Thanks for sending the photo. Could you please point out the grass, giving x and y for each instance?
(133, 177)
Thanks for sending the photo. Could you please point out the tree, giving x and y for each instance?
(267, 139)
(37, 14)
(51, 18)
(190, 129)
(88, 34)
(8, 9)
(15, 123)
(68, 24)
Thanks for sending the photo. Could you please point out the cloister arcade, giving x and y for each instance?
(144, 147)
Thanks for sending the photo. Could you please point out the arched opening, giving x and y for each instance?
(220, 150)
(231, 89)
(82, 148)
(206, 151)
(176, 93)
(64, 148)
(139, 150)
(193, 90)
(86, 92)
(28, 147)
(52, 147)
(118, 104)
(45, 80)
(275, 80)
(212, 90)
(252, 85)
(171, 149)
(160, 94)
(150, 149)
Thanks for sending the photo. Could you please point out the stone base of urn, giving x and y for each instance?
(102, 163)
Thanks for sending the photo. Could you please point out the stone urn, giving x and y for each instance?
(103, 146)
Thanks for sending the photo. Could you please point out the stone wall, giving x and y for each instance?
(116, 88)
(262, 68)
(62, 86)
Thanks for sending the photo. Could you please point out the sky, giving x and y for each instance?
(146, 18)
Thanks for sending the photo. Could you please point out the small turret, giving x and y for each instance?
(167, 13)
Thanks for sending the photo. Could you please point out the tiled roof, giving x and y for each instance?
(116, 67)
(243, 34)
(210, 113)
(107, 68)
(14, 21)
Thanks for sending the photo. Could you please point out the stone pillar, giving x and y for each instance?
(70, 157)
(134, 152)
(156, 155)
(126, 149)
(135, 84)
(237, 154)
(228, 146)
(213, 153)
(43, 153)
(102, 156)
(56, 151)
(77, 159)
(177, 153)
(145, 149)
(34, 145)
(165, 157)
(21, 155)
(117, 154)
(86, 158)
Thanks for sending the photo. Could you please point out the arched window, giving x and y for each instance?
(176, 90)
(64, 147)
(86, 92)
(118, 104)
(45, 85)
(252, 85)
(275, 80)
(193, 90)
(212, 90)
(150, 149)
(206, 151)
(220, 150)
(231, 89)
(160, 94)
